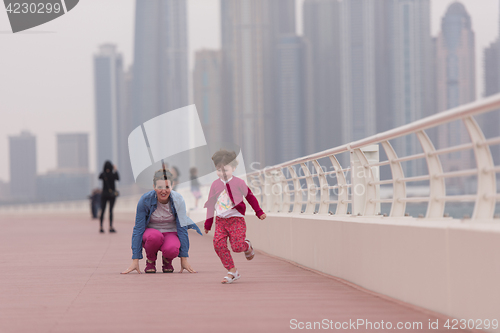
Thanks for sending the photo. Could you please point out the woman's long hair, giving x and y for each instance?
(107, 166)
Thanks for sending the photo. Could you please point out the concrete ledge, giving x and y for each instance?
(444, 265)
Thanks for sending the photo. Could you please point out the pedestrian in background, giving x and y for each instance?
(109, 193)
(195, 185)
(95, 202)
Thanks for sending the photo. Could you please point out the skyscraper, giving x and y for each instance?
(490, 122)
(412, 57)
(73, 151)
(491, 66)
(322, 35)
(125, 127)
(108, 82)
(456, 59)
(456, 79)
(249, 31)
(23, 164)
(160, 71)
(411, 82)
(358, 68)
(290, 97)
(207, 93)
(350, 50)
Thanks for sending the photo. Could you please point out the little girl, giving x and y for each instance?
(225, 201)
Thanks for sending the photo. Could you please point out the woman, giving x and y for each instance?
(109, 175)
(161, 224)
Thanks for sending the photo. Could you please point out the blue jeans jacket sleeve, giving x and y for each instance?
(184, 239)
(140, 226)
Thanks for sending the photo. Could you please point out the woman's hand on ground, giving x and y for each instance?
(186, 266)
(263, 216)
(133, 267)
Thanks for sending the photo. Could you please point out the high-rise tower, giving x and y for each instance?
(491, 122)
(456, 79)
(249, 31)
(322, 34)
(160, 71)
(412, 80)
(108, 83)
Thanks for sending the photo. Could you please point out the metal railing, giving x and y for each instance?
(320, 184)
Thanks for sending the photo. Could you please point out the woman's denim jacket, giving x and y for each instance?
(146, 206)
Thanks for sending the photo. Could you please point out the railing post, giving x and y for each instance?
(363, 192)
(268, 193)
(273, 191)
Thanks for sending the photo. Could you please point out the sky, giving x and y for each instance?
(46, 73)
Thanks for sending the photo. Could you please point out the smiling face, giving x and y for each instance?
(225, 172)
(162, 189)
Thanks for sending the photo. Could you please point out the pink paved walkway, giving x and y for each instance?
(60, 275)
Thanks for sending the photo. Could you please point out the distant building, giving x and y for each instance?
(63, 186)
(490, 123)
(72, 179)
(73, 151)
(125, 127)
(368, 68)
(207, 94)
(360, 41)
(456, 80)
(249, 33)
(290, 97)
(492, 69)
(108, 83)
(412, 78)
(322, 36)
(23, 166)
(160, 71)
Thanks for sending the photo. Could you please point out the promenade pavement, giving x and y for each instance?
(60, 275)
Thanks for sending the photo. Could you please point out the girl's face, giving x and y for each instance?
(225, 172)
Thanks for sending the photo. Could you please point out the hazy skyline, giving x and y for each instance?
(47, 74)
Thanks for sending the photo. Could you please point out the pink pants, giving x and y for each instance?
(168, 243)
(233, 228)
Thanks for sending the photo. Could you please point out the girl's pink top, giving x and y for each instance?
(237, 190)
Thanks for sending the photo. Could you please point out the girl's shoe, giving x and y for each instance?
(150, 266)
(101, 230)
(112, 229)
(167, 265)
(230, 279)
(249, 254)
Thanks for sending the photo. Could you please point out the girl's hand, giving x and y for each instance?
(133, 267)
(263, 216)
(207, 231)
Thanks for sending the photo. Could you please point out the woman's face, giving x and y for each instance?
(162, 189)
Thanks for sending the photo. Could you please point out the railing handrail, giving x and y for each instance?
(364, 156)
(477, 107)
